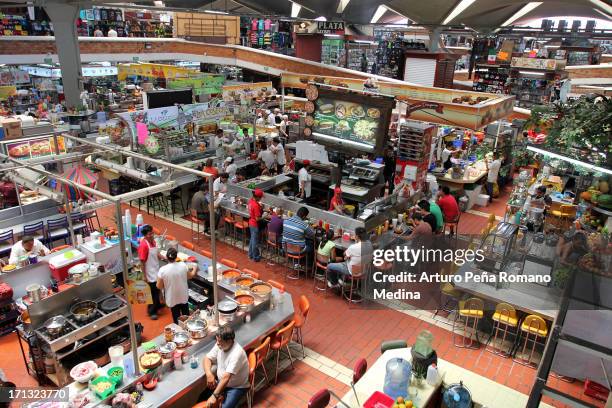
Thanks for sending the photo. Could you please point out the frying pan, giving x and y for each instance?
(83, 311)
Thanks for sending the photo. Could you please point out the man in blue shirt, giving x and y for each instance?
(296, 231)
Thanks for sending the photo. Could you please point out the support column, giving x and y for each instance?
(63, 17)
(434, 39)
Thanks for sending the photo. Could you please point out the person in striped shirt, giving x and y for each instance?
(296, 231)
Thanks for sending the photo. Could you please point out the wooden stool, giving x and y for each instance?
(532, 326)
(504, 318)
(472, 308)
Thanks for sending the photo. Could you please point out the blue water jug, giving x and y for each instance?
(397, 378)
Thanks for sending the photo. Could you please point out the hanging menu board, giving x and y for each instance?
(34, 148)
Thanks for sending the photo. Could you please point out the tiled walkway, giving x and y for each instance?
(335, 334)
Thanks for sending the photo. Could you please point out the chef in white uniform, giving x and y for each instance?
(149, 256)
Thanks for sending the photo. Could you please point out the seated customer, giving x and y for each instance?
(232, 369)
(28, 246)
(421, 230)
(200, 202)
(448, 205)
(296, 231)
(327, 246)
(428, 217)
(359, 253)
(276, 223)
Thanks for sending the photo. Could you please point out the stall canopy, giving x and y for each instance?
(83, 176)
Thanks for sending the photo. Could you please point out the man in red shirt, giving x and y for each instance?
(8, 193)
(448, 205)
(149, 256)
(255, 216)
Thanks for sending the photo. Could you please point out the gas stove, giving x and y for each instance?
(74, 330)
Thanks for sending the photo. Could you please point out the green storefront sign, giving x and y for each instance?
(202, 85)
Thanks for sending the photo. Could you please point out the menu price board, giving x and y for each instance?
(204, 85)
(35, 148)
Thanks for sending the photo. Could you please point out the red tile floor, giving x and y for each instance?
(334, 330)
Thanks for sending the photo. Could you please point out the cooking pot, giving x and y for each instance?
(196, 328)
(228, 309)
(55, 325)
(261, 290)
(111, 304)
(167, 350)
(181, 339)
(78, 272)
(34, 292)
(246, 302)
(84, 311)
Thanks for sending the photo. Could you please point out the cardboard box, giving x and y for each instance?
(12, 129)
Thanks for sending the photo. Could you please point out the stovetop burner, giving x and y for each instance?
(50, 337)
(95, 316)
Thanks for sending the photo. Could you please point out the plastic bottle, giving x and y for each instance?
(139, 223)
(397, 378)
(432, 375)
(128, 223)
(178, 360)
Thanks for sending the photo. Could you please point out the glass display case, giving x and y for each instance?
(497, 248)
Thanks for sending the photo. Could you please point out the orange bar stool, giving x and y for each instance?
(471, 310)
(156, 231)
(294, 252)
(205, 404)
(534, 328)
(188, 245)
(280, 343)
(351, 290)
(320, 272)
(206, 253)
(277, 285)
(228, 224)
(251, 273)
(256, 360)
(453, 227)
(229, 263)
(243, 226)
(196, 223)
(170, 237)
(299, 320)
(60, 248)
(273, 245)
(505, 321)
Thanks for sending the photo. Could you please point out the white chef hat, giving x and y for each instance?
(229, 159)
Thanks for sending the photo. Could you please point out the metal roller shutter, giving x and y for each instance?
(420, 71)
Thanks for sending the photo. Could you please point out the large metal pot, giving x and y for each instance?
(227, 308)
(84, 311)
(55, 325)
(261, 290)
(245, 302)
(196, 328)
(34, 292)
(181, 339)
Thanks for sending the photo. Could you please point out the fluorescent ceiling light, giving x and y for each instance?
(460, 8)
(378, 14)
(524, 10)
(322, 18)
(602, 5)
(342, 5)
(216, 12)
(397, 12)
(570, 160)
(295, 9)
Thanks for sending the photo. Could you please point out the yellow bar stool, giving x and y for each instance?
(534, 328)
(505, 322)
(471, 310)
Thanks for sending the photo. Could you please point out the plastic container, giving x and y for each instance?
(106, 393)
(423, 343)
(379, 400)
(116, 355)
(482, 200)
(115, 374)
(432, 375)
(397, 378)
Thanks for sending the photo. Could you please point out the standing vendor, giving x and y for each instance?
(336, 205)
(172, 279)
(28, 246)
(279, 154)
(446, 156)
(255, 218)
(230, 167)
(389, 170)
(493, 167)
(305, 181)
(149, 256)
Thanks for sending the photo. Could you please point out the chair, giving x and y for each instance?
(472, 310)
(155, 201)
(536, 326)
(204, 404)
(256, 359)
(156, 231)
(188, 245)
(170, 237)
(277, 285)
(206, 253)
(452, 227)
(36, 230)
(273, 245)
(228, 224)
(392, 345)
(280, 342)
(251, 273)
(195, 221)
(243, 226)
(60, 248)
(320, 400)
(320, 264)
(565, 214)
(299, 320)
(453, 295)
(57, 229)
(79, 226)
(296, 253)
(89, 218)
(176, 194)
(354, 285)
(504, 318)
(229, 263)
(360, 368)
(7, 240)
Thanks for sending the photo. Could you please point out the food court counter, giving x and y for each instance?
(484, 392)
(459, 183)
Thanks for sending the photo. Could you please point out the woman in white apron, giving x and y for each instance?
(149, 257)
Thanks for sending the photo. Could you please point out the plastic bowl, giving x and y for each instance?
(115, 374)
(79, 376)
(102, 394)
